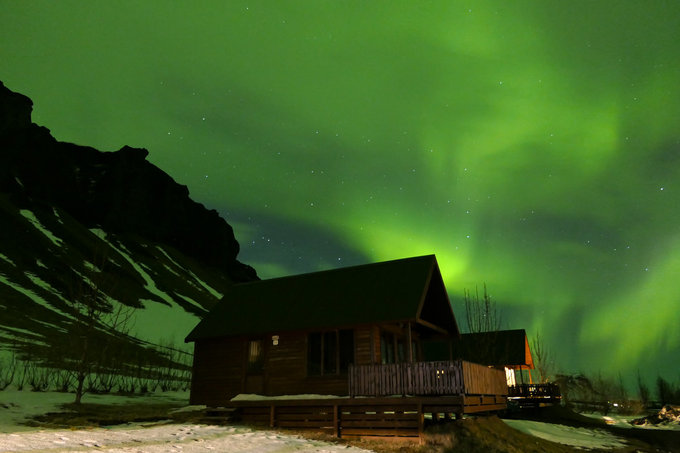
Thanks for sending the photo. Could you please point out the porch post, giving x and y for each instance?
(372, 336)
(410, 342)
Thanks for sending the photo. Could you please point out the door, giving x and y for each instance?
(254, 380)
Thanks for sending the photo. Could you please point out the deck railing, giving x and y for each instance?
(548, 390)
(426, 378)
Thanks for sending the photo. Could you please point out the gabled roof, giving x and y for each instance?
(409, 289)
(508, 348)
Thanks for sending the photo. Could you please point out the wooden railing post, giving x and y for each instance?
(272, 416)
(336, 421)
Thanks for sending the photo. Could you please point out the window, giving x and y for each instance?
(387, 348)
(393, 348)
(329, 352)
(255, 357)
(314, 354)
(346, 353)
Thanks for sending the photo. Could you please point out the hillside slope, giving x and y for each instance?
(75, 222)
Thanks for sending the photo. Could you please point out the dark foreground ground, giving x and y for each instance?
(478, 434)
(647, 440)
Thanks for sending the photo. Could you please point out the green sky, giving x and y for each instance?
(533, 146)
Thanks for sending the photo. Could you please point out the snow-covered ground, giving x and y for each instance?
(166, 438)
(568, 435)
(625, 421)
(16, 407)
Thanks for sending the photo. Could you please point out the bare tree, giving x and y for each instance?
(7, 370)
(98, 323)
(543, 359)
(643, 391)
(575, 387)
(667, 392)
(481, 315)
(483, 321)
(95, 341)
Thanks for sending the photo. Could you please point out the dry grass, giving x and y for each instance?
(490, 434)
(479, 434)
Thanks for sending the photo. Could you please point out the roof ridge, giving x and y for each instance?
(337, 269)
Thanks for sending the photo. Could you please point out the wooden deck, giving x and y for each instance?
(396, 417)
(394, 400)
(445, 378)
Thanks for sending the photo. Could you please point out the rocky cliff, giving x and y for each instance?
(75, 220)
(120, 191)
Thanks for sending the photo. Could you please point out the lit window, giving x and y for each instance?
(255, 357)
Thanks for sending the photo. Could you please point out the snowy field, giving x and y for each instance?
(576, 437)
(165, 438)
(16, 407)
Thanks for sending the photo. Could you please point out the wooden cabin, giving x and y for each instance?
(508, 350)
(354, 331)
(300, 334)
(503, 349)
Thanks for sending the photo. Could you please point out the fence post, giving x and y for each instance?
(272, 416)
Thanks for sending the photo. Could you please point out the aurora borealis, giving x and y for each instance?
(533, 146)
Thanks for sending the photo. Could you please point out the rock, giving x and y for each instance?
(120, 192)
(666, 416)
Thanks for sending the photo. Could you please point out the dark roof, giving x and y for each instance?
(409, 289)
(509, 348)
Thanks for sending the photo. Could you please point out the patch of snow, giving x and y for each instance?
(150, 284)
(187, 438)
(56, 214)
(46, 286)
(176, 321)
(90, 266)
(15, 333)
(18, 406)
(192, 408)
(191, 301)
(160, 249)
(101, 234)
(621, 421)
(50, 325)
(6, 259)
(207, 287)
(568, 435)
(161, 322)
(667, 418)
(36, 223)
(171, 270)
(30, 294)
(20, 330)
(304, 396)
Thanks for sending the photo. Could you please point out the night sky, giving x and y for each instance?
(532, 146)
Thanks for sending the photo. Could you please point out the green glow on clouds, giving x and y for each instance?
(533, 146)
